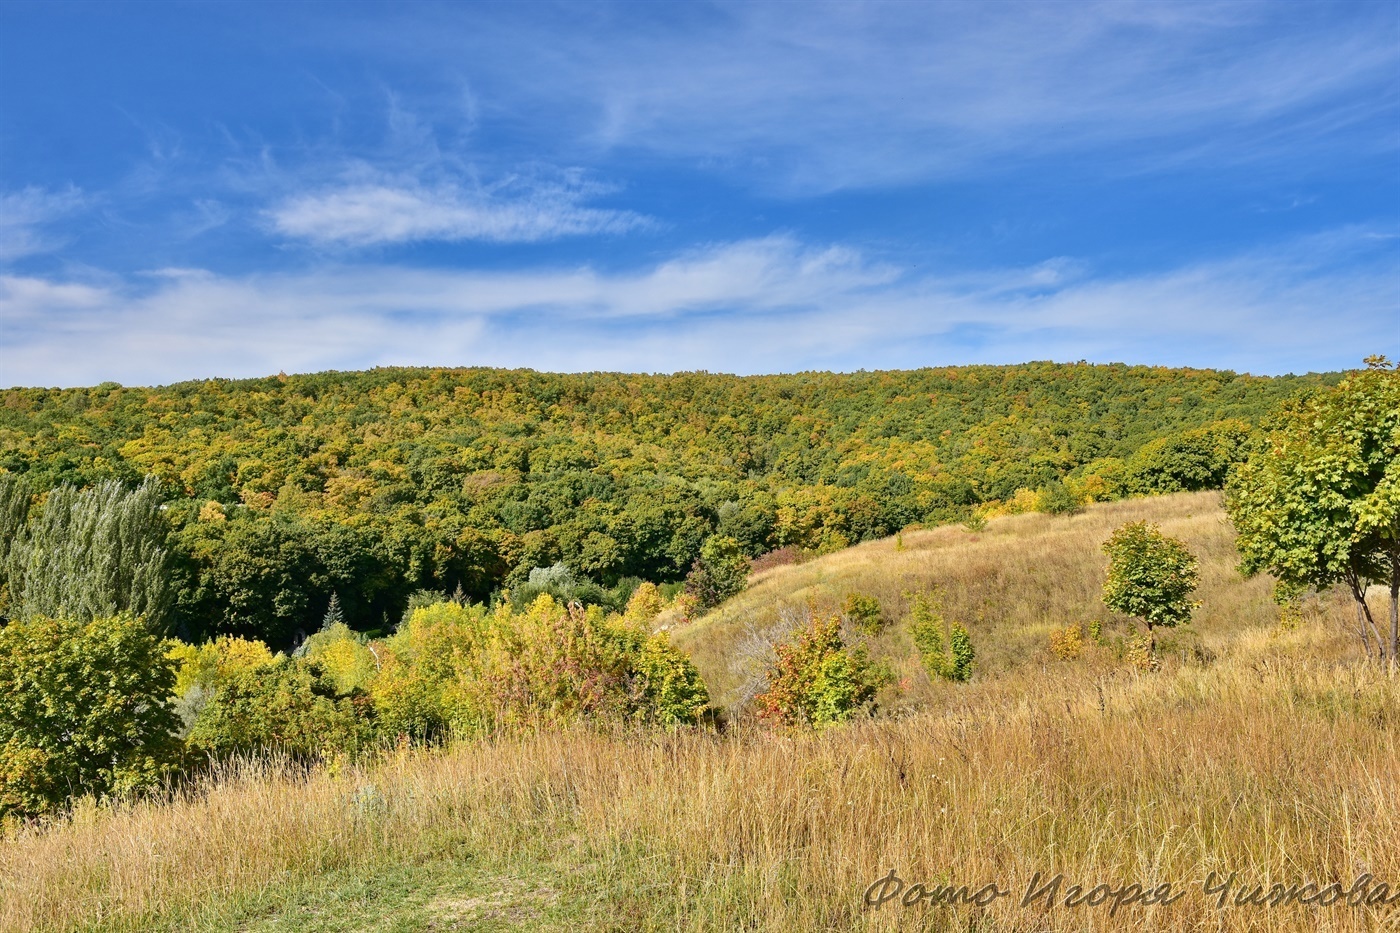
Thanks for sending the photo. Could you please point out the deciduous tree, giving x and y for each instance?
(1151, 576)
(1319, 503)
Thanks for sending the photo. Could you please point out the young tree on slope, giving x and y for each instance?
(1319, 503)
(1151, 576)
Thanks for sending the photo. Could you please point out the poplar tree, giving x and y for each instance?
(15, 496)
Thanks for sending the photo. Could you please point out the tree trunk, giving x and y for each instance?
(1358, 592)
(1394, 608)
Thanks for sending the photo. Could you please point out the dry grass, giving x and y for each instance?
(1279, 760)
(1010, 584)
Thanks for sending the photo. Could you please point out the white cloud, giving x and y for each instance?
(850, 95)
(25, 213)
(362, 214)
(753, 306)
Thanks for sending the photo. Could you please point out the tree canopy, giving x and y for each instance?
(375, 485)
(1150, 576)
(1318, 502)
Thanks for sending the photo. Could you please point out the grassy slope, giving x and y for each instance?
(1010, 584)
(1277, 760)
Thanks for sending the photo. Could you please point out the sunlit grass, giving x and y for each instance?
(1276, 759)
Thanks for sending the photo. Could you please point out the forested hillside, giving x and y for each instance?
(373, 485)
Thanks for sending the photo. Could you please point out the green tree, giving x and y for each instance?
(333, 616)
(1056, 499)
(673, 693)
(15, 497)
(84, 709)
(93, 553)
(1150, 576)
(1318, 504)
(287, 705)
(720, 572)
(864, 613)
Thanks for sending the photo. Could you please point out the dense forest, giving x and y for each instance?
(370, 486)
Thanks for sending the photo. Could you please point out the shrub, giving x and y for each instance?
(645, 605)
(817, 680)
(864, 613)
(1056, 499)
(560, 583)
(435, 645)
(471, 670)
(84, 709)
(782, 557)
(931, 633)
(672, 691)
(1067, 643)
(288, 706)
(202, 669)
(208, 665)
(343, 657)
(1141, 654)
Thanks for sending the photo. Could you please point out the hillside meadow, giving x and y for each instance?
(1264, 747)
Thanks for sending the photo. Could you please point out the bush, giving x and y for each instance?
(864, 613)
(343, 657)
(645, 604)
(1067, 643)
(817, 680)
(84, 709)
(672, 691)
(931, 634)
(1056, 499)
(469, 670)
(289, 707)
(558, 582)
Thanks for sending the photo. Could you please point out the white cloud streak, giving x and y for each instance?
(852, 95)
(25, 214)
(754, 306)
(368, 214)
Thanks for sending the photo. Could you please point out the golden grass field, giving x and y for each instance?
(1271, 753)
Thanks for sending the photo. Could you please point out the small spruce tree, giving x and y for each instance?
(334, 615)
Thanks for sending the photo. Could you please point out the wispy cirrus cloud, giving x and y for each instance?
(26, 217)
(871, 94)
(772, 304)
(371, 212)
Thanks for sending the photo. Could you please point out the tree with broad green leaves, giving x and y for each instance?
(945, 649)
(721, 571)
(84, 709)
(1318, 504)
(1150, 576)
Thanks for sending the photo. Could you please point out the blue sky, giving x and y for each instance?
(191, 190)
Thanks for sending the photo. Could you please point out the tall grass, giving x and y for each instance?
(1277, 760)
(1010, 583)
